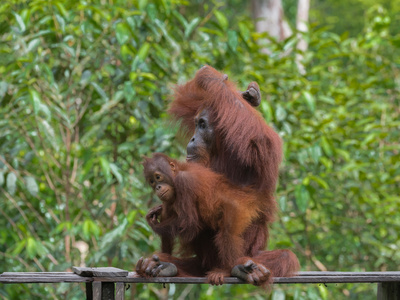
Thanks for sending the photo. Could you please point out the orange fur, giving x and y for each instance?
(205, 202)
(248, 152)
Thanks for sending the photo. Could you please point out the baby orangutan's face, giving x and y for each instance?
(160, 176)
(164, 190)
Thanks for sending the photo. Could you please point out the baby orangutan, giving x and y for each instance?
(207, 214)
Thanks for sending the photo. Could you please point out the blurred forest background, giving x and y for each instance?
(84, 85)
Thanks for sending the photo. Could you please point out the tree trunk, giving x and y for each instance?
(269, 17)
(303, 8)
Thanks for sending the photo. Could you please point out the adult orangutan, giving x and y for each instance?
(231, 138)
(196, 200)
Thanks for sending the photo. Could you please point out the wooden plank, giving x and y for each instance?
(107, 291)
(199, 280)
(119, 291)
(34, 274)
(96, 290)
(337, 279)
(303, 277)
(43, 278)
(335, 273)
(389, 291)
(89, 291)
(100, 272)
(122, 272)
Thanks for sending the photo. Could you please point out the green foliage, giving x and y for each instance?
(347, 16)
(83, 90)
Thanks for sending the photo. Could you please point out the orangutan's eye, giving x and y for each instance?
(202, 124)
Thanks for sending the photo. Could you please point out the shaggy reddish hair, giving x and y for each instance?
(248, 150)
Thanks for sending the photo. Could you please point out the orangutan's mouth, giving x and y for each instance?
(163, 194)
(191, 157)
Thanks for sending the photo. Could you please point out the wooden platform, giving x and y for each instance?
(109, 283)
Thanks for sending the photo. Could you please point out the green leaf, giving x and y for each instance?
(129, 91)
(171, 41)
(20, 21)
(105, 166)
(114, 235)
(151, 11)
(289, 44)
(148, 76)
(63, 226)
(343, 153)
(122, 32)
(90, 229)
(31, 247)
(302, 197)
(85, 78)
(232, 40)
(191, 26)
(19, 247)
(31, 185)
(61, 22)
(180, 18)
(1, 178)
(41, 250)
(142, 4)
(33, 45)
(310, 100)
(131, 216)
(323, 291)
(369, 139)
(222, 20)
(326, 146)
(3, 89)
(280, 113)
(143, 51)
(244, 31)
(320, 181)
(266, 110)
(46, 111)
(11, 183)
(49, 131)
(326, 99)
(35, 98)
(282, 203)
(62, 9)
(115, 170)
(100, 91)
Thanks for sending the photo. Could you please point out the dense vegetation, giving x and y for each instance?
(83, 90)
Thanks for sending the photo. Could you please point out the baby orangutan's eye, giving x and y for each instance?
(158, 177)
(151, 181)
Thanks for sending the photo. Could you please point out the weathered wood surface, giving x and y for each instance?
(119, 291)
(100, 272)
(388, 291)
(303, 277)
(42, 277)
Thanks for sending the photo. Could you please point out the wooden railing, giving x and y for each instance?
(109, 283)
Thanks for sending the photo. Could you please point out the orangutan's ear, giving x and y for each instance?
(173, 167)
(252, 95)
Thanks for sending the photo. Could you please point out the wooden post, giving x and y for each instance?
(96, 285)
(120, 291)
(389, 291)
(99, 290)
(107, 291)
(89, 291)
